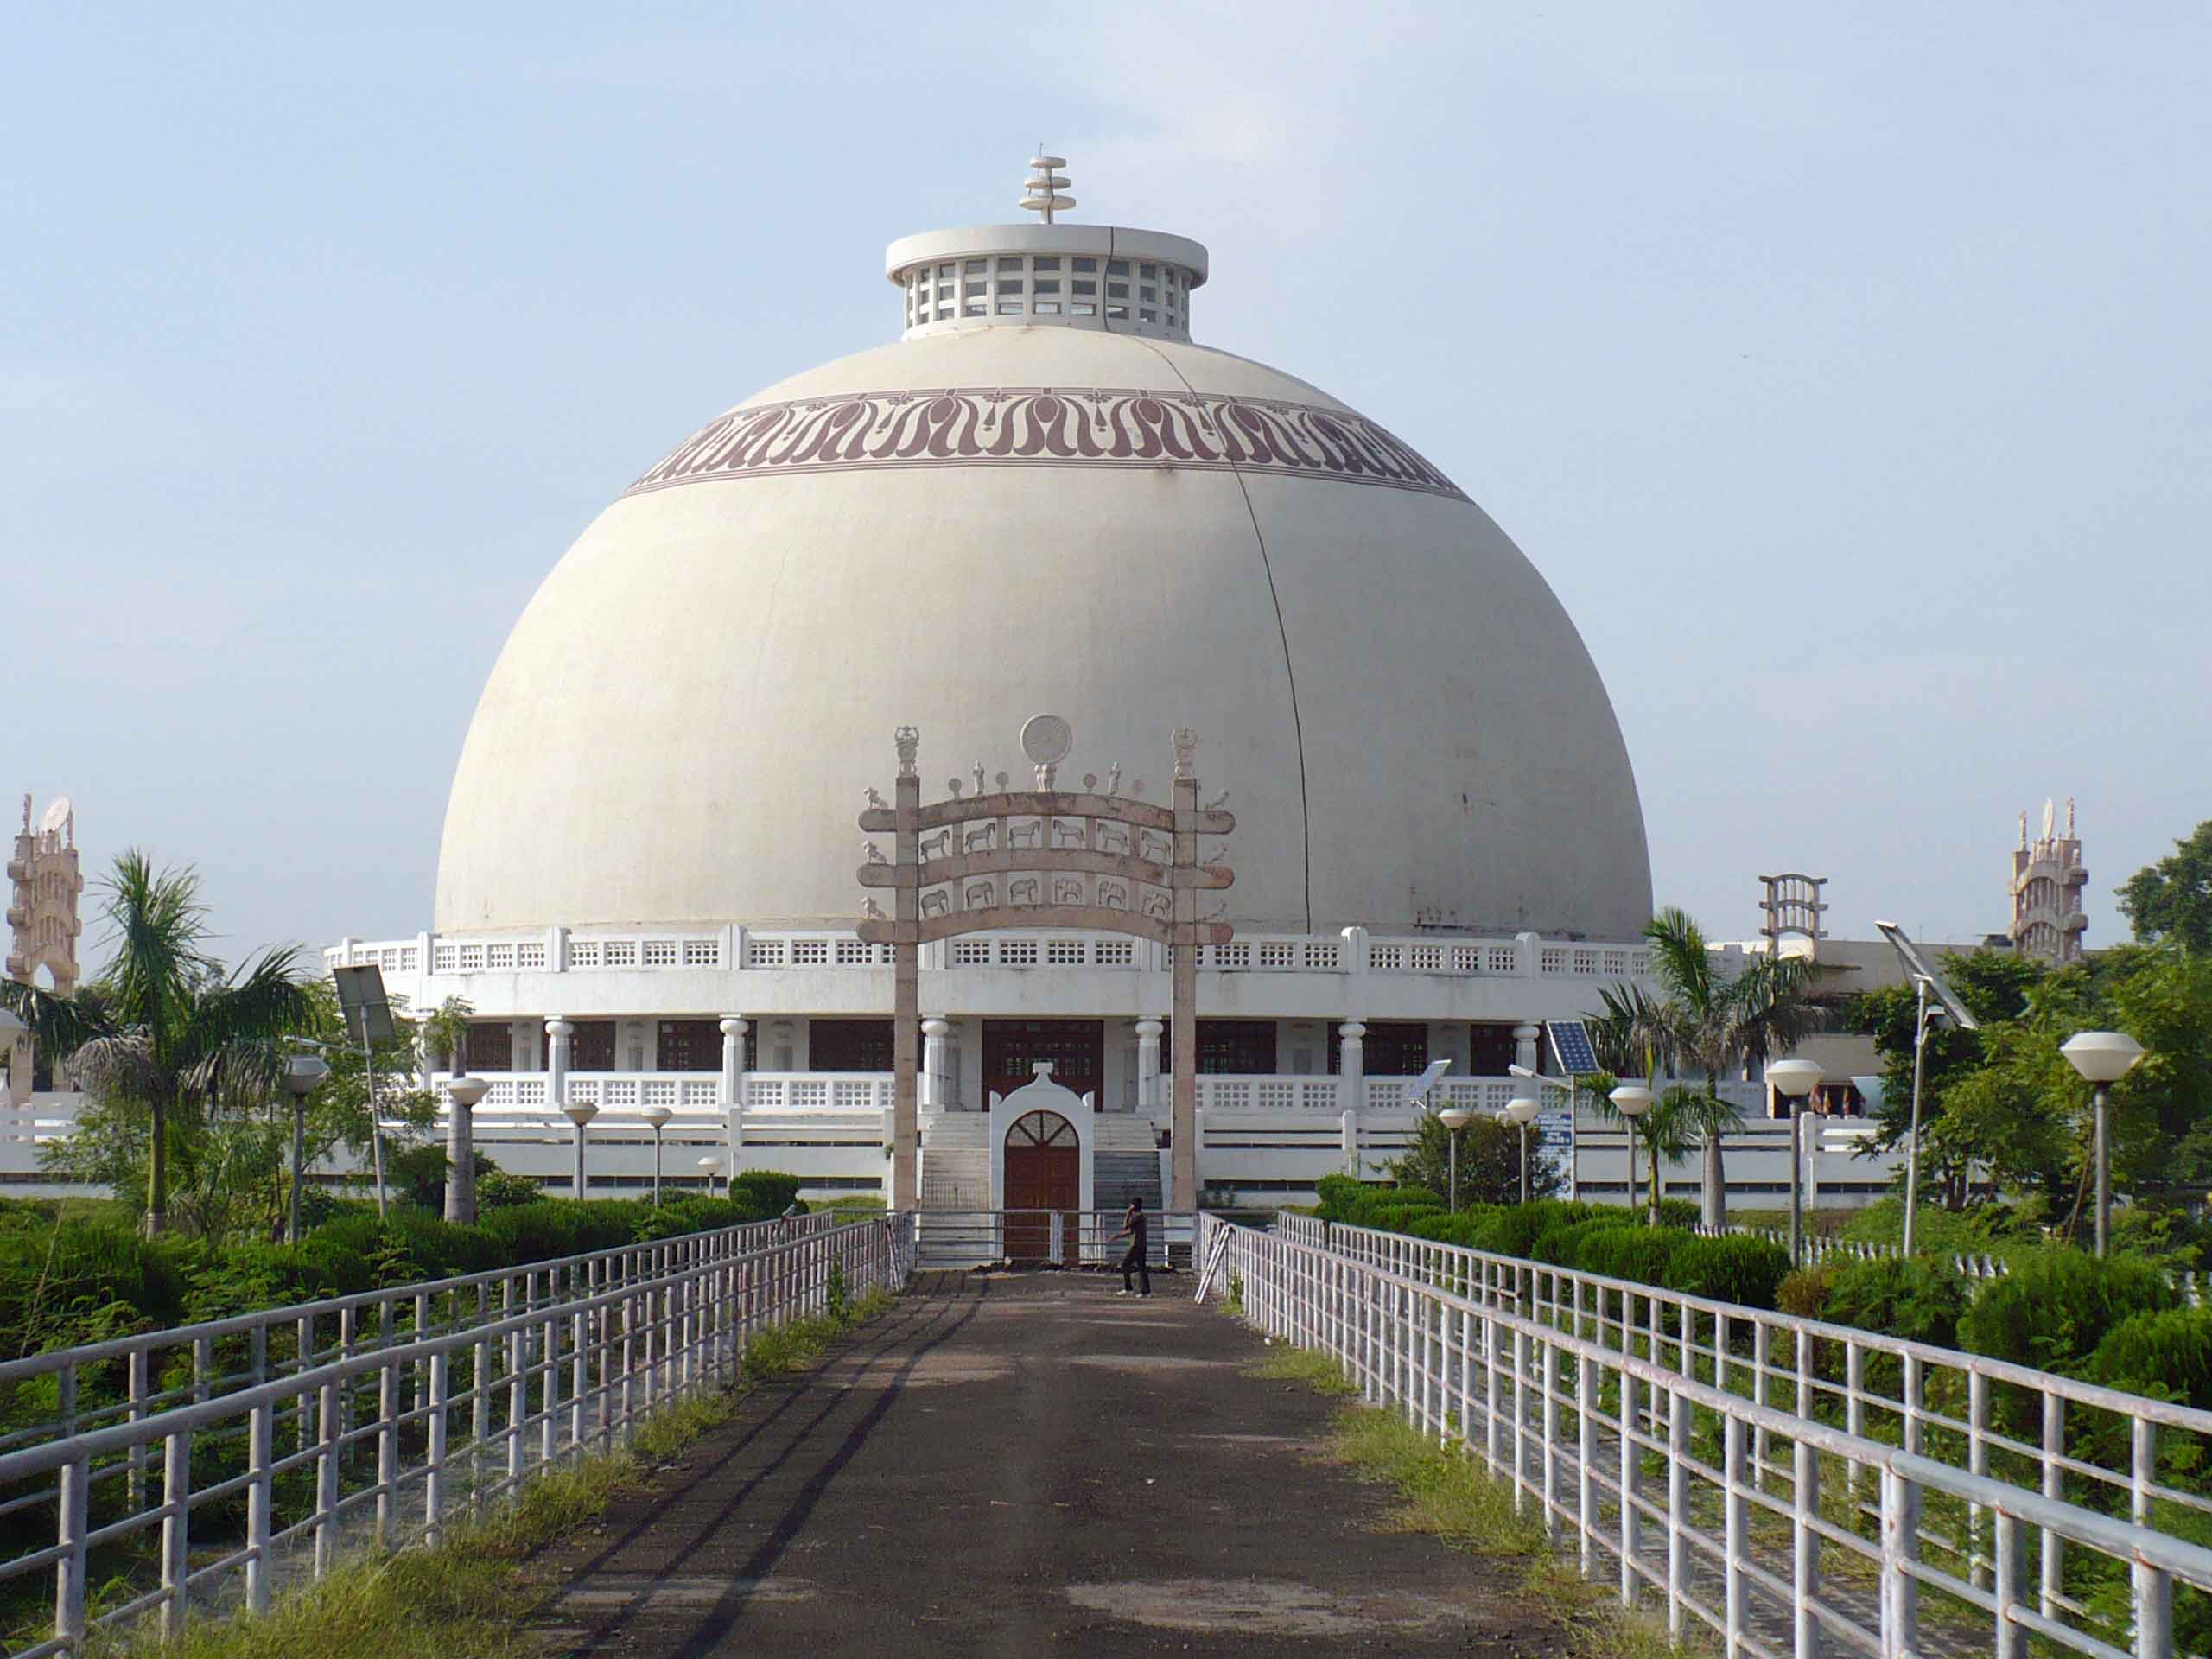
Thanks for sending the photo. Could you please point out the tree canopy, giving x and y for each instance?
(2171, 899)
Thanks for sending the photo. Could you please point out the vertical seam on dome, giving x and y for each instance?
(1282, 632)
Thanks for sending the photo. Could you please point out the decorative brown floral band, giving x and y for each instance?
(1046, 426)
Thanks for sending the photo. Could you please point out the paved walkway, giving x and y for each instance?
(1007, 1465)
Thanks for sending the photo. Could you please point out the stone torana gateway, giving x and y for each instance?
(1043, 495)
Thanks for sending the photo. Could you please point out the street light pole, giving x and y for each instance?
(461, 1148)
(580, 1113)
(1524, 1110)
(709, 1167)
(302, 1073)
(1793, 1080)
(1632, 1100)
(657, 1117)
(1454, 1119)
(1912, 1146)
(2102, 1058)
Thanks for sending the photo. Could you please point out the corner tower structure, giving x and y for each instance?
(1043, 496)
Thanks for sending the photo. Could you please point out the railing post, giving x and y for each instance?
(135, 1481)
(434, 1476)
(176, 1528)
(1804, 1552)
(260, 1434)
(1586, 1459)
(387, 1447)
(75, 1523)
(1736, 1536)
(1900, 1551)
(1631, 1469)
(330, 1418)
(2011, 1639)
(2054, 1487)
(1679, 1519)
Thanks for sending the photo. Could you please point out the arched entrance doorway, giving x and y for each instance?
(1044, 1171)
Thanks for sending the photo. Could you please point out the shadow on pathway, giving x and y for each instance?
(1006, 1464)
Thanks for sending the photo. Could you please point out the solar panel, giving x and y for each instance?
(1571, 1045)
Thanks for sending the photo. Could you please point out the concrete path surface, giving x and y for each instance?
(1012, 1464)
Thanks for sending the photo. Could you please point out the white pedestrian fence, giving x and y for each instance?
(1796, 1488)
(200, 1466)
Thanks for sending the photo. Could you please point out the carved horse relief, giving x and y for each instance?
(1113, 838)
(1068, 833)
(938, 845)
(1024, 835)
(1158, 849)
(985, 839)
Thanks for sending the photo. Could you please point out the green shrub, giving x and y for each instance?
(1680, 1212)
(1919, 1299)
(1730, 1268)
(1514, 1229)
(55, 1273)
(1628, 1251)
(1804, 1293)
(2054, 1305)
(2167, 1355)
(496, 1188)
(1560, 1246)
(764, 1194)
(1335, 1195)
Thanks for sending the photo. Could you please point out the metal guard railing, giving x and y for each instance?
(388, 1442)
(1594, 1397)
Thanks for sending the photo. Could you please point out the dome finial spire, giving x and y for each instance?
(1040, 194)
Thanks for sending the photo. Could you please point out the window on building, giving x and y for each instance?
(491, 1047)
(1241, 1048)
(848, 1046)
(1490, 1049)
(592, 1048)
(1392, 1049)
(691, 1046)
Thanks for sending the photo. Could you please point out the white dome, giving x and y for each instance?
(981, 523)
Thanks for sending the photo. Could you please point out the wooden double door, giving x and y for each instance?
(1044, 1172)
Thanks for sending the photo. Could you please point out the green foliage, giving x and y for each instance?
(1804, 1294)
(496, 1189)
(764, 1194)
(60, 1278)
(1978, 1230)
(1513, 1228)
(1489, 1161)
(1921, 1299)
(2055, 1307)
(1561, 1244)
(1640, 1255)
(2172, 899)
(2167, 1355)
(1734, 1268)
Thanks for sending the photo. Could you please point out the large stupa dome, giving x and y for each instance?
(1044, 497)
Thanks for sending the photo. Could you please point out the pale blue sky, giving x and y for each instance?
(1844, 368)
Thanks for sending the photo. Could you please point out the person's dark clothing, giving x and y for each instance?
(1137, 1226)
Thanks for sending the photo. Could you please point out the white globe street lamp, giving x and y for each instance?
(302, 1073)
(1632, 1100)
(709, 1167)
(1793, 1080)
(1454, 1119)
(2102, 1058)
(461, 1148)
(657, 1117)
(1522, 1110)
(580, 1113)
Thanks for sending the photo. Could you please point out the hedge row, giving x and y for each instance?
(2119, 1322)
(67, 1281)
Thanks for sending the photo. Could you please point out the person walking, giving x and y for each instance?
(1136, 1229)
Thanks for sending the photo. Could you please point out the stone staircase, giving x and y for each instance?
(956, 1162)
(1125, 1163)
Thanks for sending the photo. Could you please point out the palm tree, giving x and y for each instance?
(1712, 1025)
(163, 1027)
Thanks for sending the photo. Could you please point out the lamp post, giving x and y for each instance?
(1793, 1080)
(302, 1073)
(580, 1113)
(461, 1148)
(1454, 1119)
(1522, 1110)
(709, 1167)
(1921, 1016)
(657, 1117)
(2102, 1058)
(1632, 1100)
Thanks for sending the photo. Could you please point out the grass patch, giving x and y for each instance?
(1309, 1366)
(471, 1597)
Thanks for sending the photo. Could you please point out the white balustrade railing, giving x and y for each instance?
(2032, 1501)
(558, 950)
(384, 1416)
